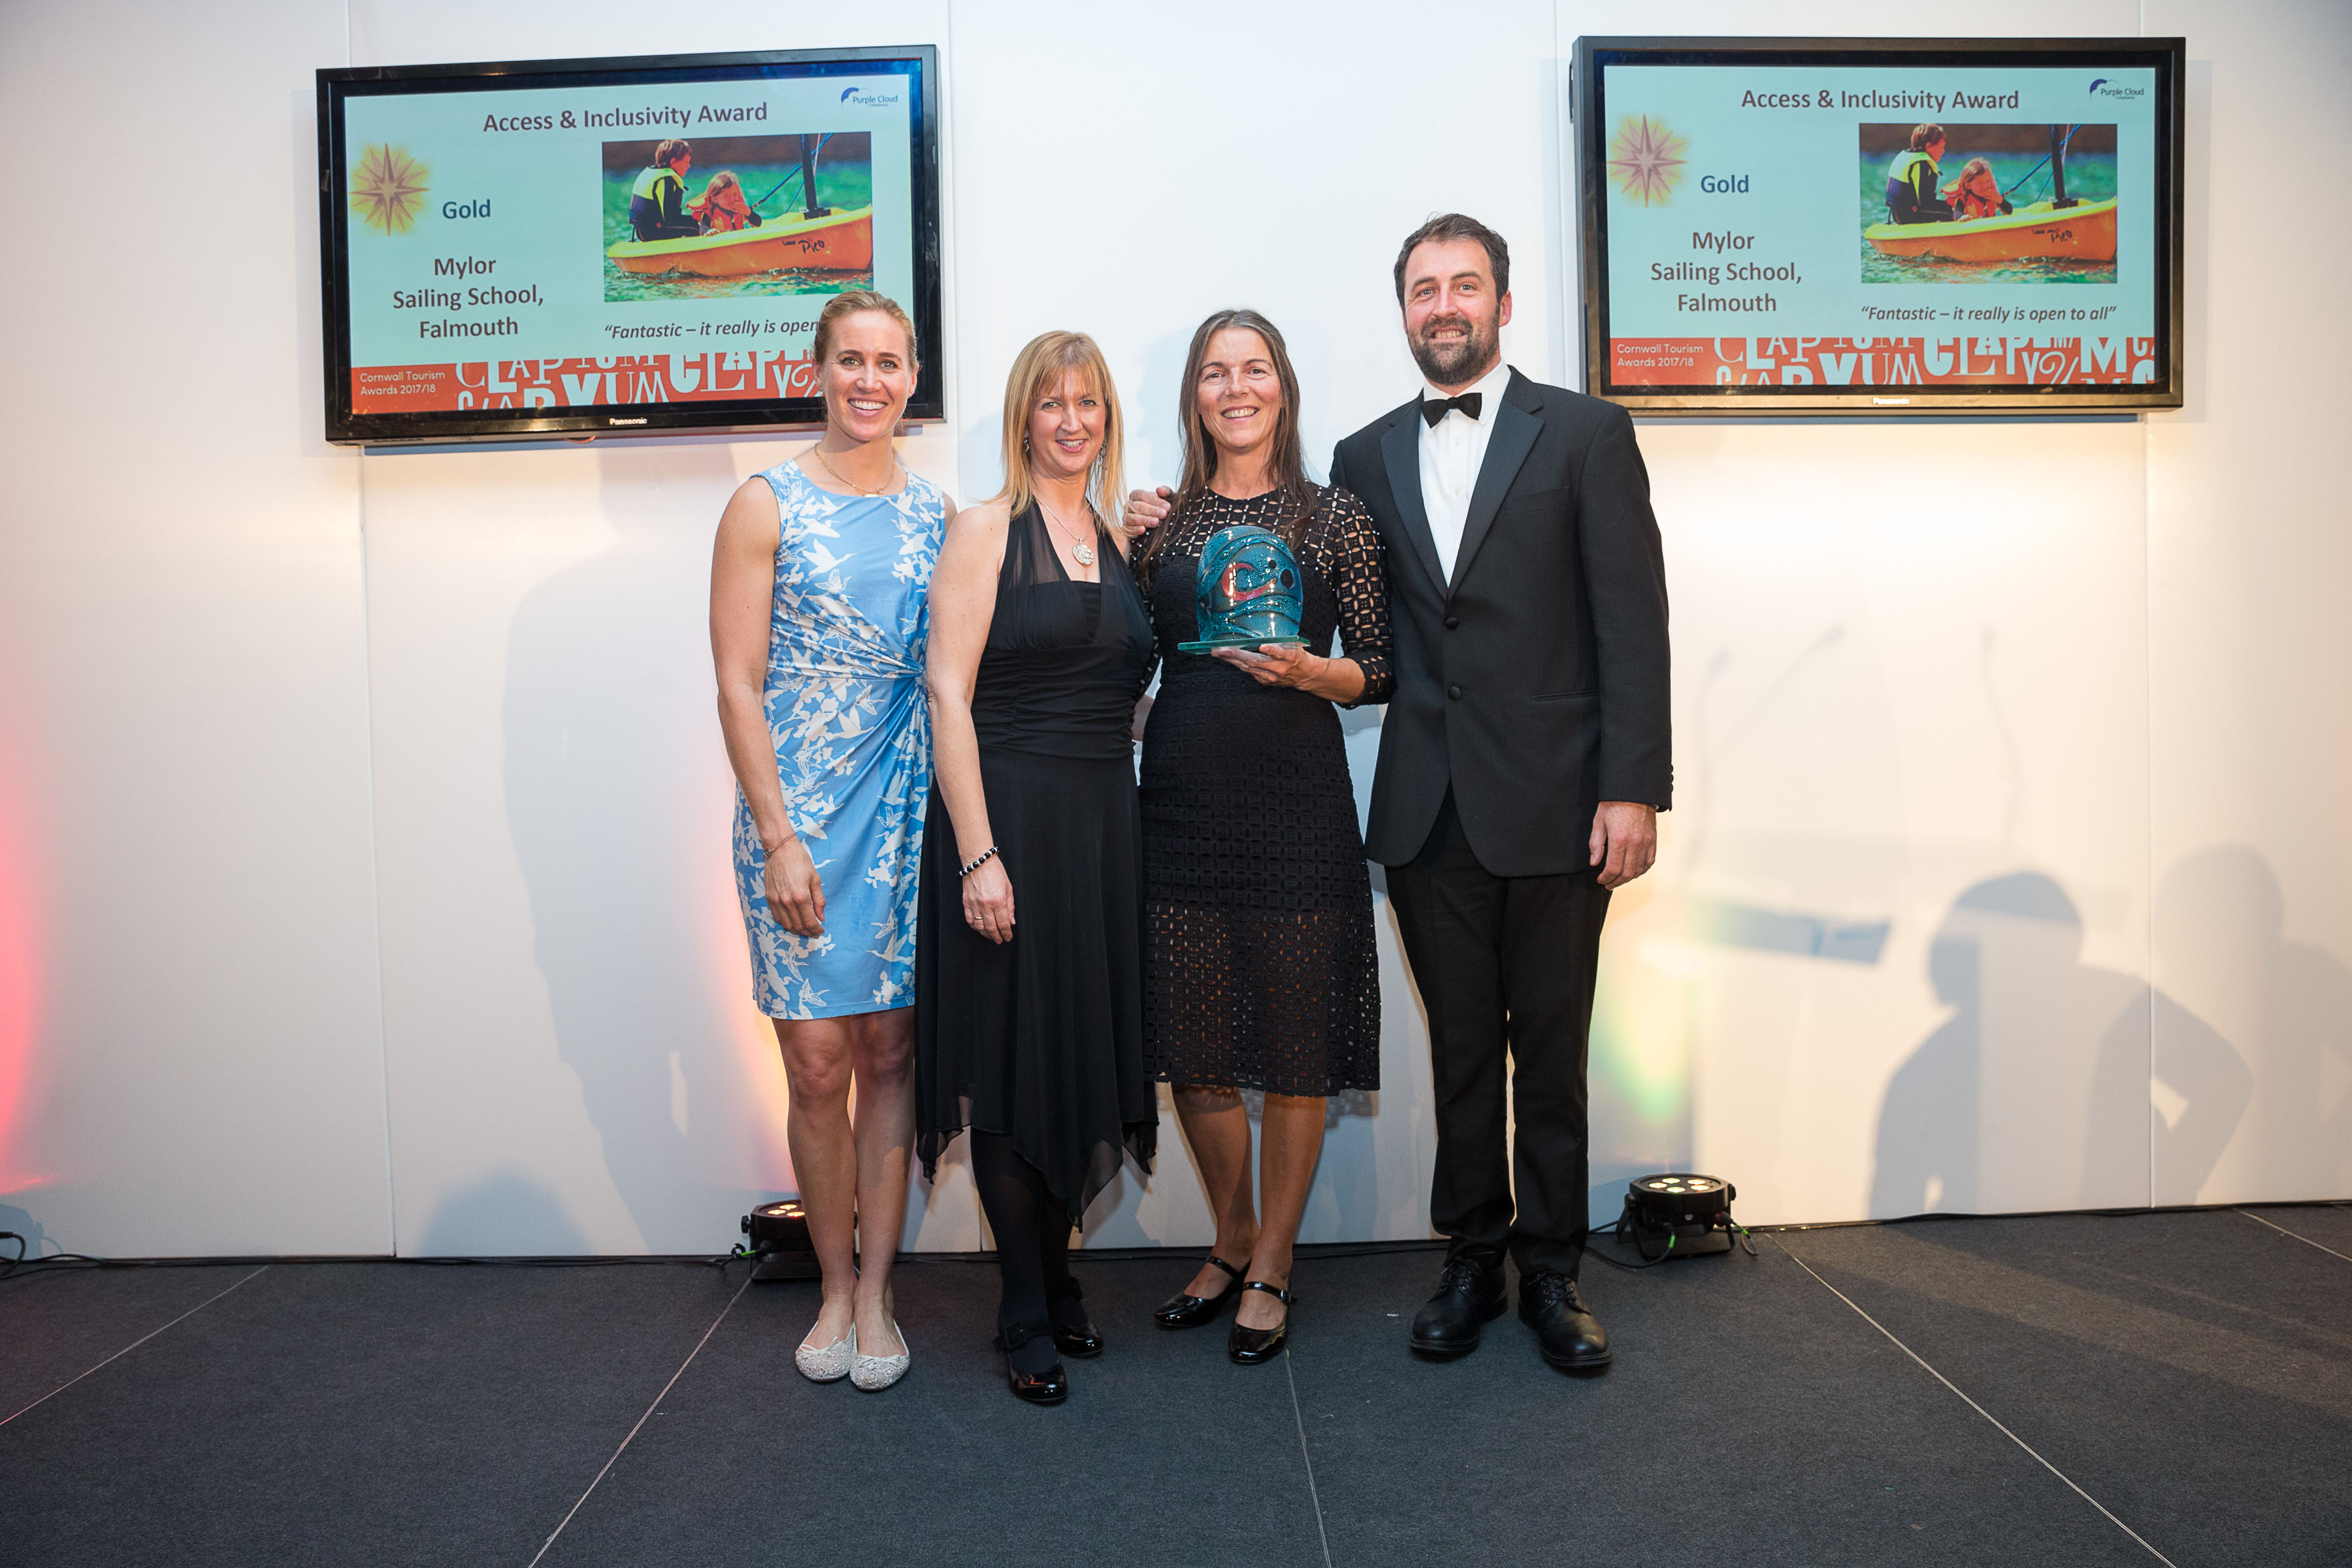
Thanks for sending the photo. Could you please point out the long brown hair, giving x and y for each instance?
(1200, 448)
(1038, 367)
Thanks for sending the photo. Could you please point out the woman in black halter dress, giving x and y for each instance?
(1029, 954)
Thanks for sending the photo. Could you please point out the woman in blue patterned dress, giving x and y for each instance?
(818, 624)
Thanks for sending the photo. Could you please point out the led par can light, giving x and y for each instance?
(779, 1242)
(1679, 1213)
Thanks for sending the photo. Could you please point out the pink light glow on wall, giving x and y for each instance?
(20, 972)
(758, 1070)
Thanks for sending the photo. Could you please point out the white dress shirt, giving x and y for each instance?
(1452, 451)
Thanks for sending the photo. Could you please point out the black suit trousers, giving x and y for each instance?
(1505, 967)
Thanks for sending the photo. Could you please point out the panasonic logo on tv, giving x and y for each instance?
(1890, 402)
(625, 421)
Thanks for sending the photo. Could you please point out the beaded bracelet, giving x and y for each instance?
(977, 861)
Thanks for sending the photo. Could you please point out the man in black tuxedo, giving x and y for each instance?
(1524, 758)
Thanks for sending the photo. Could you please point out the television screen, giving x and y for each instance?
(572, 247)
(1782, 225)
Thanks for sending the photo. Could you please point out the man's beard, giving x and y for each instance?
(1451, 364)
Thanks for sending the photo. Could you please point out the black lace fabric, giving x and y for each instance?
(1260, 970)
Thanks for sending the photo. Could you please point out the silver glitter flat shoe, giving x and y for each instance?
(876, 1373)
(830, 1364)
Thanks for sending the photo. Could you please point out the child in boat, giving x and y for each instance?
(722, 209)
(1911, 179)
(1976, 193)
(657, 200)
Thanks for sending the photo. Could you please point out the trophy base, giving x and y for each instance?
(1213, 644)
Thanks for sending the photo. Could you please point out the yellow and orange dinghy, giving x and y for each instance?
(831, 242)
(2084, 232)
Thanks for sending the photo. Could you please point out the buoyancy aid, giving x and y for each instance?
(657, 205)
(1911, 189)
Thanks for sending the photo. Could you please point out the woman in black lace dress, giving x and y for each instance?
(1259, 967)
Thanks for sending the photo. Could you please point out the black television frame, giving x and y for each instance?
(1587, 109)
(456, 427)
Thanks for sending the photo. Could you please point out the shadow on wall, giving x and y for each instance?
(485, 1221)
(2221, 946)
(622, 835)
(36, 1240)
(2037, 1093)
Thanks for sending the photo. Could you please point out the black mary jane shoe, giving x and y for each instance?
(1185, 1311)
(1074, 1332)
(1050, 1386)
(1251, 1347)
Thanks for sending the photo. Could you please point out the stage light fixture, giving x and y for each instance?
(779, 1242)
(1679, 1214)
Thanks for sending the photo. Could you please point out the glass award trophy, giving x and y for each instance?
(1249, 594)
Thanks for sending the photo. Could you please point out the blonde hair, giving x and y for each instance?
(857, 301)
(839, 308)
(1036, 369)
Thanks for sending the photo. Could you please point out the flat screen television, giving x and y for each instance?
(545, 249)
(1783, 225)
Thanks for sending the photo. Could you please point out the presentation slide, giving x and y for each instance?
(1863, 227)
(560, 247)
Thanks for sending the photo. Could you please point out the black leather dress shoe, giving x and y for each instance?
(1249, 1347)
(1183, 1310)
(1074, 1332)
(1050, 1386)
(1470, 1294)
(1569, 1336)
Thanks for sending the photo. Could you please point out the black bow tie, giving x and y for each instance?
(1434, 408)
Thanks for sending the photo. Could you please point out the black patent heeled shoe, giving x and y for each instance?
(1183, 1311)
(1077, 1338)
(1253, 1347)
(1050, 1386)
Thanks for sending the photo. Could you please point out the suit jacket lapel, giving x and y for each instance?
(1400, 455)
(1516, 429)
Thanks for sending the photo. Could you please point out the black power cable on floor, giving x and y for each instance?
(30, 1267)
(22, 1264)
(1617, 1233)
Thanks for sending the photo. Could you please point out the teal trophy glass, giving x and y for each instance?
(1249, 593)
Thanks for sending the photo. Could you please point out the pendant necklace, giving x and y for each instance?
(1080, 551)
(819, 455)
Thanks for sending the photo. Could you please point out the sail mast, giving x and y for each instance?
(808, 180)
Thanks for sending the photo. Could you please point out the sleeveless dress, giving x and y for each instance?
(1042, 1039)
(1260, 968)
(852, 728)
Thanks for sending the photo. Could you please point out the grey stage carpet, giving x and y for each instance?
(2068, 1390)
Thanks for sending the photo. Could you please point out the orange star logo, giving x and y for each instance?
(1646, 160)
(388, 188)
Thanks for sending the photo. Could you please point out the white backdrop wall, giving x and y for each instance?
(362, 819)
